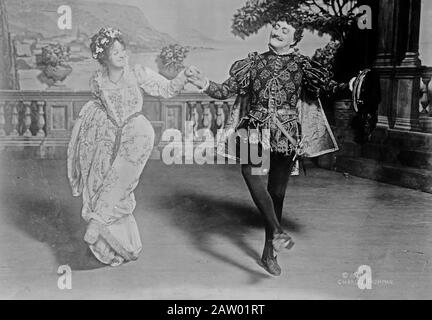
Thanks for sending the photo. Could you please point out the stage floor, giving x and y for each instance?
(202, 237)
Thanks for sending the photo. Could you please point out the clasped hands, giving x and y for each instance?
(194, 76)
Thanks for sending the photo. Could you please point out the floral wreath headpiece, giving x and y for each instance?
(103, 40)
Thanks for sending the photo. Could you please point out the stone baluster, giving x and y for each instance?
(15, 119)
(220, 115)
(227, 110)
(429, 94)
(196, 117)
(27, 120)
(41, 119)
(424, 98)
(189, 121)
(425, 114)
(207, 116)
(2, 119)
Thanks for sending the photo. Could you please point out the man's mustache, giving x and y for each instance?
(274, 36)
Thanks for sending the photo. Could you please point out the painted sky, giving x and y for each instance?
(213, 18)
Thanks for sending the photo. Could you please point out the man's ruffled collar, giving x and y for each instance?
(290, 51)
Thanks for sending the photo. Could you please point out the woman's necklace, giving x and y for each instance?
(116, 82)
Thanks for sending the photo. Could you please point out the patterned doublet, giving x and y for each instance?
(276, 77)
(274, 84)
(273, 80)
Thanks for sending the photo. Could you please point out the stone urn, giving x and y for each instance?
(57, 74)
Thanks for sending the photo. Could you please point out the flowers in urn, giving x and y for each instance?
(54, 60)
(170, 60)
(55, 54)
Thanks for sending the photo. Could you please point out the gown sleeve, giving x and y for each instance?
(94, 85)
(156, 85)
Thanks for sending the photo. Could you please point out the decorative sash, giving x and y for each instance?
(119, 131)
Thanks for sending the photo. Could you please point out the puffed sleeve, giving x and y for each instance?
(317, 79)
(94, 85)
(237, 83)
(156, 85)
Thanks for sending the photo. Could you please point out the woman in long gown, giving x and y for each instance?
(110, 145)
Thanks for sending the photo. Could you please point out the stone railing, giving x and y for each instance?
(405, 98)
(425, 108)
(40, 122)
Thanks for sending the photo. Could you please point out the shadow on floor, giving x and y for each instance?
(56, 223)
(38, 202)
(206, 217)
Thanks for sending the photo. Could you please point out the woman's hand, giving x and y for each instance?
(191, 71)
(195, 77)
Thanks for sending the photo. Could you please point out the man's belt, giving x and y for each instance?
(283, 130)
(284, 110)
(297, 144)
(266, 114)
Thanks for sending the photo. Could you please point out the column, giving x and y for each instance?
(408, 73)
(385, 59)
(413, 8)
(398, 64)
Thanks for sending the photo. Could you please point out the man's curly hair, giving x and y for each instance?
(299, 28)
(102, 41)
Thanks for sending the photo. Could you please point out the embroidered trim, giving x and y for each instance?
(119, 131)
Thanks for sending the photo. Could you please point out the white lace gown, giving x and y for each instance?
(110, 144)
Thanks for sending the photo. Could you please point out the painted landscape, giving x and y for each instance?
(33, 25)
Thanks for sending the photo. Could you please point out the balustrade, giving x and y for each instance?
(33, 118)
(207, 116)
(425, 107)
(20, 117)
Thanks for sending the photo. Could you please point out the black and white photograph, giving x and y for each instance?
(184, 150)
